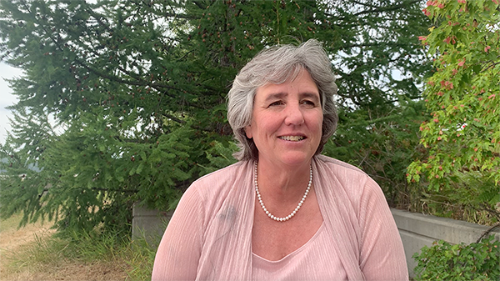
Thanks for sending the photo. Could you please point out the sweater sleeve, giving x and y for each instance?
(382, 254)
(180, 248)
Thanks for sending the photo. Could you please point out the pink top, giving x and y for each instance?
(299, 266)
(210, 234)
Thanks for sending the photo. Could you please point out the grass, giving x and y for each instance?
(77, 256)
(10, 223)
(136, 256)
(35, 256)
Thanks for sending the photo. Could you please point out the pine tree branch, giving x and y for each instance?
(373, 9)
(376, 45)
(173, 118)
(365, 4)
(139, 82)
(115, 190)
(386, 9)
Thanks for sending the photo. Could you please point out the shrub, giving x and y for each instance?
(444, 261)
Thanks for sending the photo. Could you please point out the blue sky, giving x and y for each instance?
(6, 97)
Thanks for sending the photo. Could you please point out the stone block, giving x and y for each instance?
(149, 224)
(419, 230)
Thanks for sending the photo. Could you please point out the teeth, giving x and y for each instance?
(292, 138)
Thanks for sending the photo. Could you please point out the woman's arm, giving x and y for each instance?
(382, 253)
(179, 250)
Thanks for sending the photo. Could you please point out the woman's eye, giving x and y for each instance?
(308, 102)
(276, 103)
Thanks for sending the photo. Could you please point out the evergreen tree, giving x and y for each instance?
(136, 91)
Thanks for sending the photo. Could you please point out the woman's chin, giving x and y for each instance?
(296, 159)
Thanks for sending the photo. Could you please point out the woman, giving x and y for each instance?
(283, 212)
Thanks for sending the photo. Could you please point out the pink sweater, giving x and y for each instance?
(210, 234)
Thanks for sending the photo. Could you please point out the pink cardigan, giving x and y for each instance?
(210, 234)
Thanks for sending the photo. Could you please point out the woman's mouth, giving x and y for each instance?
(292, 138)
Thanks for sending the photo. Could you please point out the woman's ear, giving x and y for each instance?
(248, 131)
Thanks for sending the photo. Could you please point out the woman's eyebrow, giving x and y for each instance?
(276, 96)
(314, 96)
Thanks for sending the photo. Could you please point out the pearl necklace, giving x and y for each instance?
(296, 208)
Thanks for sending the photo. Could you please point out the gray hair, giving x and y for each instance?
(277, 65)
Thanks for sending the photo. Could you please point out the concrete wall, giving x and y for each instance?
(418, 230)
(149, 224)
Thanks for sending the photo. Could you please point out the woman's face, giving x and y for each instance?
(286, 121)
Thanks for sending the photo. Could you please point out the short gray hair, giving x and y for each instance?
(276, 65)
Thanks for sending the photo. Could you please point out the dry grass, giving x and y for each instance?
(13, 242)
(33, 253)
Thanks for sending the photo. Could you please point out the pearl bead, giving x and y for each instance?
(296, 208)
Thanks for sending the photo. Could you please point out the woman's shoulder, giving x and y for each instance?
(226, 173)
(209, 192)
(218, 183)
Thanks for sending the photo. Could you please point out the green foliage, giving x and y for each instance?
(220, 156)
(462, 135)
(444, 261)
(124, 101)
(383, 147)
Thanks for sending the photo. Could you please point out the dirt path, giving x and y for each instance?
(13, 240)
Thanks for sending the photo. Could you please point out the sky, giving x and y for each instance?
(6, 98)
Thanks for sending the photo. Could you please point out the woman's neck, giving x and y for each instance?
(282, 184)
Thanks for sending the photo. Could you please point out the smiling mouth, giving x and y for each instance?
(292, 138)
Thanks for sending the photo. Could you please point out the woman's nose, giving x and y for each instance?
(294, 115)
